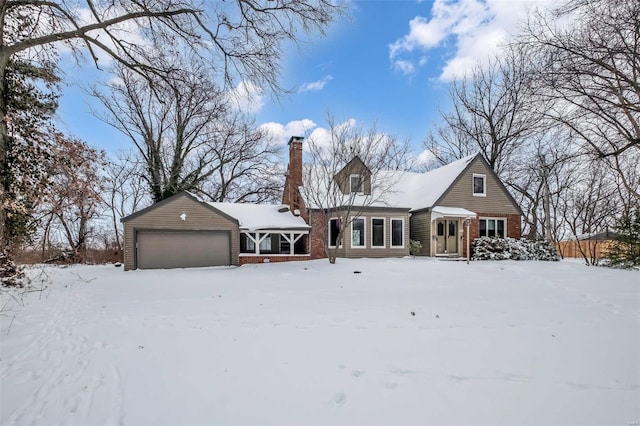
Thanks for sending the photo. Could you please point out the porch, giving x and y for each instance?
(448, 231)
(271, 245)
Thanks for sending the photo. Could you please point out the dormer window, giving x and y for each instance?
(356, 184)
(479, 185)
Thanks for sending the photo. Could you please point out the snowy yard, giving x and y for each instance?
(405, 342)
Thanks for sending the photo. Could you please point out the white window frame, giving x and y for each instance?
(384, 232)
(504, 219)
(361, 177)
(329, 233)
(484, 185)
(401, 219)
(364, 222)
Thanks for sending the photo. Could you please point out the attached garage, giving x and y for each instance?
(158, 249)
(180, 232)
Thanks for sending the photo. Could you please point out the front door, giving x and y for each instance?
(446, 236)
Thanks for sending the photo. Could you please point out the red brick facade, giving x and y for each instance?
(318, 234)
(514, 225)
(244, 260)
(291, 193)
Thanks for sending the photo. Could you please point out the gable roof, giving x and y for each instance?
(417, 191)
(254, 217)
(423, 190)
(187, 194)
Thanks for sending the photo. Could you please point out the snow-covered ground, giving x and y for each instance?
(403, 342)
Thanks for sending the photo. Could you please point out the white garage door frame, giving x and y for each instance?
(137, 231)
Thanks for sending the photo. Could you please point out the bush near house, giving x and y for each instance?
(494, 248)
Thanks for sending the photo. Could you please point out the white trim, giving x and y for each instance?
(351, 191)
(493, 218)
(329, 233)
(391, 232)
(484, 185)
(384, 233)
(364, 222)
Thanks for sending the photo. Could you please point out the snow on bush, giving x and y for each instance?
(494, 248)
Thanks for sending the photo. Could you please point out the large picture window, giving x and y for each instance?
(377, 232)
(334, 230)
(397, 233)
(490, 227)
(357, 233)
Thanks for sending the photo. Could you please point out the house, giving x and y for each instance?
(379, 212)
(390, 207)
(185, 231)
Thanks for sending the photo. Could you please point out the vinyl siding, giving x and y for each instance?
(461, 193)
(167, 216)
(369, 251)
(421, 230)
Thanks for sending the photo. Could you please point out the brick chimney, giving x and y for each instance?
(291, 194)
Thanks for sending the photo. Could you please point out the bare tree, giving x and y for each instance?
(243, 38)
(492, 112)
(189, 138)
(590, 207)
(124, 190)
(372, 154)
(246, 162)
(589, 71)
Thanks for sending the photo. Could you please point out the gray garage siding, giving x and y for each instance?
(166, 216)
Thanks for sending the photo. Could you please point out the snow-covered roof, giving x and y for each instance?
(252, 217)
(440, 211)
(400, 189)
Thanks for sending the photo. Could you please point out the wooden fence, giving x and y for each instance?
(593, 249)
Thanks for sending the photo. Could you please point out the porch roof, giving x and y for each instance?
(440, 211)
(255, 217)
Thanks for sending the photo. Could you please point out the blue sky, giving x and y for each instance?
(390, 62)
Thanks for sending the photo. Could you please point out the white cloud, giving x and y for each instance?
(246, 97)
(315, 85)
(282, 132)
(425, 160)
(406, 67)
(476, 27)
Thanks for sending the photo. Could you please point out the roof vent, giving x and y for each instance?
(283, 209)
(296, 212)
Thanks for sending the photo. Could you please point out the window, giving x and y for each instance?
(377, 232)
(440, 229)
(247, 245)
(397, 233)
(490, 227)
(357, 233)
(355, 182)
(479, 185)
(452, 228)
(265, 245)
(334, 230)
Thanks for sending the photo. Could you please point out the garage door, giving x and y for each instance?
(182, 249)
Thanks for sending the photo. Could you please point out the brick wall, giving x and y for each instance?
(244, 260)
(317, 235)
(514, 224)
(291, 193)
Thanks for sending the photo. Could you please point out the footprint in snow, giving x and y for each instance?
(357, 373)
(340, 399)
